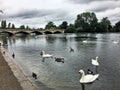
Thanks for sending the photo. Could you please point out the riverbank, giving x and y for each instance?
(11, 76)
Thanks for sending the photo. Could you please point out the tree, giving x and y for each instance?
(50, 25)
(117, 27)
(70, 29)
(27, 27)
(3, 24)
(105, 24)
(13, 26)
(22, 27)
(86, 22)
(9, 25)
(63, 25)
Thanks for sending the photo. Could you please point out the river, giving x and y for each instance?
(54, 75)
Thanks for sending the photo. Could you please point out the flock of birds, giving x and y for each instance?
(88, 78)
(85, 78)
(44, 55)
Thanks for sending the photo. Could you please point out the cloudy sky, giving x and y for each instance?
(37, 13)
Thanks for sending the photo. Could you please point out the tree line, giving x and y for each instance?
(84, 22)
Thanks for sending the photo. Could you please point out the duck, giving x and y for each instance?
(71, 49)
(59, 59)
(95, 61)
(88, 78)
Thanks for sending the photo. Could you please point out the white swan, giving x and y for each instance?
(87, 78)
(95, 61)
(45, 55)
(115, 41)
(84, 41)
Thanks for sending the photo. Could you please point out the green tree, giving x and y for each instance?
(117, 27)
(27, 27)
(9, 25)
(13, 26)
(63, 25)
(70, 29)
(3, 24)
(105, 25)
(50, 25)
(22, 27)
(86, 22)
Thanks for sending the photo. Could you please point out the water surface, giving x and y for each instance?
(64, 76)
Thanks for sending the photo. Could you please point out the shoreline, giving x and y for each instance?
(24, 81)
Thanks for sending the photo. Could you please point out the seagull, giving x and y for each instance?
(95, 61)
(88, 78)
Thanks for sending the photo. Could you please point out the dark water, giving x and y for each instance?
(64, 76)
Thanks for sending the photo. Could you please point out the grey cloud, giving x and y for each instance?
(26, 14)
(87, 1)
(60, 16)
(102, 9)
(80, 1)
(103, 6)
(41, 16)
(114, 17)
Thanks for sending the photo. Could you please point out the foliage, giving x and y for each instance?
(3, 24)
(70, 29)
(105, 25)
(63, 25)
(117, 27)
(22, 27)
(13, 26)
(9, 25)
(86, 22)
(50, 25)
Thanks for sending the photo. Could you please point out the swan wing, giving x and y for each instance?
(47, 55)
(88, 78)
(95, 62)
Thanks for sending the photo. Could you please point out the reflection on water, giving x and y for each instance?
(64, 76)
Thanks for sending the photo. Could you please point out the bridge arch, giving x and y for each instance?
(37, 32)
(7, 32)
(48, 32)
(57, 32)
(22, 32)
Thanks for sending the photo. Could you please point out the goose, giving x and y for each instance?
(88, 78)
(95, 61)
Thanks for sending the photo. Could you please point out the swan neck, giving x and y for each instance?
(43, 52)
(83, 74)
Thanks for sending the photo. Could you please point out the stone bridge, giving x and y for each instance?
(37, 32)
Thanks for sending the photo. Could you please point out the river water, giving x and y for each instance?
(65, 76)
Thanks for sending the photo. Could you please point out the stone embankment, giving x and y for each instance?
(11, 76)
